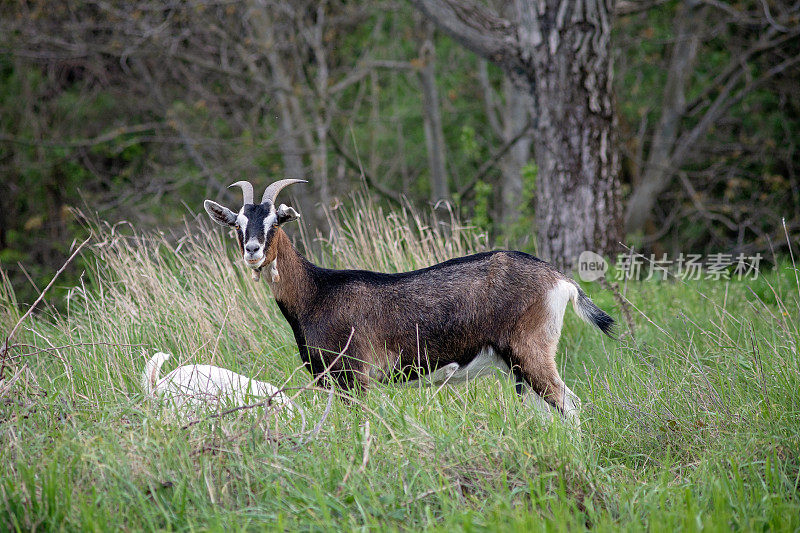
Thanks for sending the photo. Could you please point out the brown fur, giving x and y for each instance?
(450, 312)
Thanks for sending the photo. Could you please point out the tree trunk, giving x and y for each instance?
(319, 157)
(515, 118)
(559, 53)
(507, 119)
(290, 143)
(658, 170)
(577, 200)
(432, 118)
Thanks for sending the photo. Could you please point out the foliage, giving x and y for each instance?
(739, 180)
(139, 111)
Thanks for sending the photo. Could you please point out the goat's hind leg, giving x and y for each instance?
(531, 399)
(534, 363)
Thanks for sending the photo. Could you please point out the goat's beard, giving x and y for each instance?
(256, 265)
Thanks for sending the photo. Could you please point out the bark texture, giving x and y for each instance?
(559, 53)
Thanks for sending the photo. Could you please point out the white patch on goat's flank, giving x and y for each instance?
(437, 377)
(486, 362)
(557, 299)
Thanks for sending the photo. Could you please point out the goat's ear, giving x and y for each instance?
(220, 214)
(286, 214)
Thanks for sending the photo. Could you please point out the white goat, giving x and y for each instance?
(201, 385)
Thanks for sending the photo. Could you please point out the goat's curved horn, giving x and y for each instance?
(273, 190)
(247, 190)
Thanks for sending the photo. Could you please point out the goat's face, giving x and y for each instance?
(255, 224)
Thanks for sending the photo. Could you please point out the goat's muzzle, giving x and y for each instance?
(254, 261)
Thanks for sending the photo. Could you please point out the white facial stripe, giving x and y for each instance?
(241, 220)
(270, 221)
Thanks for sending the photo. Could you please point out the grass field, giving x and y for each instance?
(690, 422)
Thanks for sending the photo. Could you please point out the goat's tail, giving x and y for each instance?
(152, 372)
(590, 313)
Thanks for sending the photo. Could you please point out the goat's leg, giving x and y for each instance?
(531, 399)
(534, 361)
(572, 404)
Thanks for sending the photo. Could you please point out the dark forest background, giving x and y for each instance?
(138, 111)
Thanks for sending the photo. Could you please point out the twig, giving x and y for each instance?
(487, 165)
(327, 411)
(613, 288)
(56, 348)
(263, 403)
(5, 387)
(83, 143)
(355, 165)
(318, 425)
(791, 254)
(268, 401)
(41, 296)
(363, 406)
(367, 443)
(424, 495)
(5, 347)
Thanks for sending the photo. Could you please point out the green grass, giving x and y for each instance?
(692, 422)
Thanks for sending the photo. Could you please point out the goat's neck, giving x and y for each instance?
(295, 282)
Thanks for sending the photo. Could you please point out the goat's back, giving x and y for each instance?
(449, 311)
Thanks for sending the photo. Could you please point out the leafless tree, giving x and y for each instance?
(509, 118)
(432, 118)
(762, 41)
(559, 53)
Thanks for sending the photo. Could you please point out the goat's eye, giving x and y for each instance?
(237, 226)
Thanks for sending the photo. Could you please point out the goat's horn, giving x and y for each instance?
(273, 190)
(247, 190)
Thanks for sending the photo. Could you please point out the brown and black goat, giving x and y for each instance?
(448, 322)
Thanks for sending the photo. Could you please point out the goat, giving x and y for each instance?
(500, 309)
(194, 386)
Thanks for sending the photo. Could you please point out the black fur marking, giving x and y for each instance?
(256, 215)
(332, 278)
(314, 365)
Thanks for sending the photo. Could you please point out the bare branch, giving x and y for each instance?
(627, 7)
(84, 143)
(355, 165)
(475, 27)
(722, 104)
(4, 349)
(492, 161)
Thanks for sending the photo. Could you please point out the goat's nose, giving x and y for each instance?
(252, 247)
